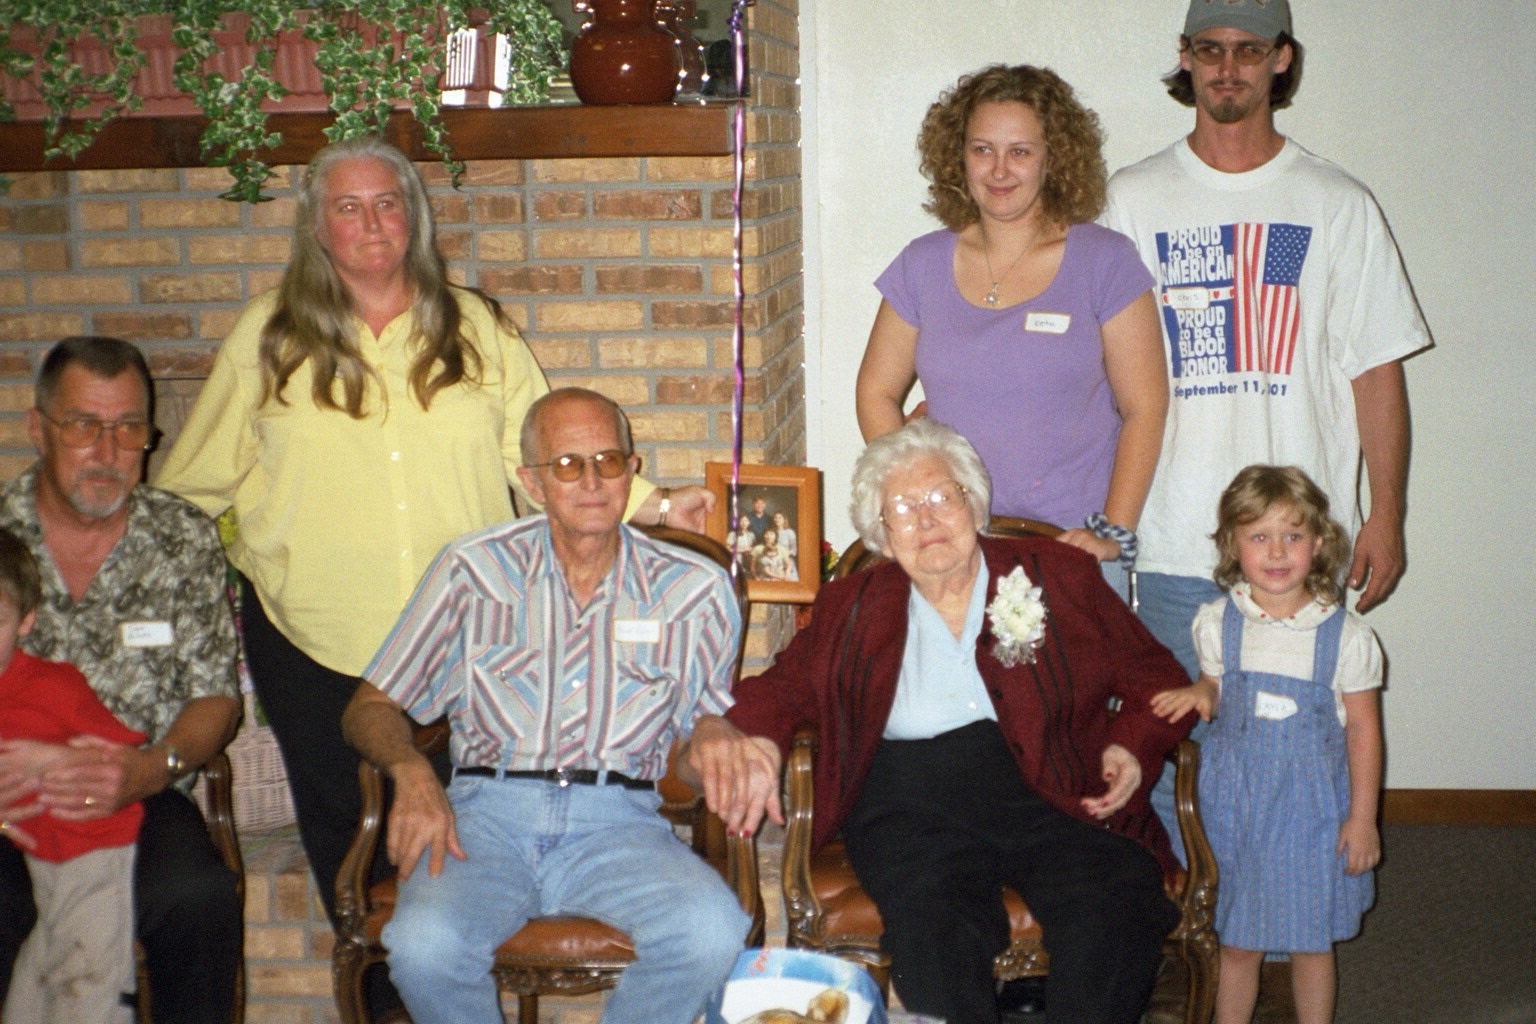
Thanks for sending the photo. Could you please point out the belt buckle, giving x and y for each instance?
(562, 777)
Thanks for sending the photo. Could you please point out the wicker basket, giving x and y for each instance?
(263, 802)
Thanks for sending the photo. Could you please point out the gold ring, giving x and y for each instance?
(4, 825)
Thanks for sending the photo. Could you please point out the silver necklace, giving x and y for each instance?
(991, 297)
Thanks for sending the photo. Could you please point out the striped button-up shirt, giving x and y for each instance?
(529, 680)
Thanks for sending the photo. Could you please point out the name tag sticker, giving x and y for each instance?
(1048, 323)
(147, 634)
(1273, 707)
(1188, 298)
(637, 631)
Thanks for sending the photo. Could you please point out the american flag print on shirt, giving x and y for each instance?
(1229, 298)
(1266, 308)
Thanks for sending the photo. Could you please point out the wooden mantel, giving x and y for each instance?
(513, 133)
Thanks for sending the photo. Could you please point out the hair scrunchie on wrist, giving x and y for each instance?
(1099, 525)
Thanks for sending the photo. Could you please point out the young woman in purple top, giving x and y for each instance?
(1034, 332)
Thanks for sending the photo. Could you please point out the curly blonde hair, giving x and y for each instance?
(1075, 174)
(1249, 498)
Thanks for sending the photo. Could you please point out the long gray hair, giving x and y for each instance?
(884, 455)
(313, 320)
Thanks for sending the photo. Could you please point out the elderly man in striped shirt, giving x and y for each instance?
(568, 652)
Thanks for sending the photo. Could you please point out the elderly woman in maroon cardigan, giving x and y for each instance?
(962, 694)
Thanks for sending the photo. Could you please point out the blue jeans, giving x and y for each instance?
(1118, 578)
(537, 849)
(1167, 605)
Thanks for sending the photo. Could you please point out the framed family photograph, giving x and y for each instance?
(773, 528)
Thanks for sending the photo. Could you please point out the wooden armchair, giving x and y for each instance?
(549, 955)
(856, 556)
(219, 811)
(829, 912)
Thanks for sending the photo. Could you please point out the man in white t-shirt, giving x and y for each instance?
(1285, 310)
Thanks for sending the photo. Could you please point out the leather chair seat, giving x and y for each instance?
(578, 939)
(849, 916)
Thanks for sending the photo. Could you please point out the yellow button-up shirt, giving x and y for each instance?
(339, 517)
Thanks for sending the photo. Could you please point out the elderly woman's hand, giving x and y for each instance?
(739, 774)
(1123, 774)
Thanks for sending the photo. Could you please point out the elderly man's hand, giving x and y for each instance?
(738, 773)
(80, 781)
(420, 821)
(1123, 774)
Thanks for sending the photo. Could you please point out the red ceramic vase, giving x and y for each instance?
(623, 56)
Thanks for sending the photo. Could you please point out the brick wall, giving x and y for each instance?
(618, 271)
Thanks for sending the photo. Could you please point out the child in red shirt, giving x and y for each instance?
(77, 964)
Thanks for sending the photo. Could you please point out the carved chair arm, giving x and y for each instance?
(742, 876)
(218, 796)
(1198, 900)
(804, 911)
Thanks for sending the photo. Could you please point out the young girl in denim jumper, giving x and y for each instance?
(1291, 773)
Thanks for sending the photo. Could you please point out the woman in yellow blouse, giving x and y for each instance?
(357, 419)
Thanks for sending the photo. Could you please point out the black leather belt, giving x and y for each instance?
(564, 777)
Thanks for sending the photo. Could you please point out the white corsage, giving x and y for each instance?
(1017, 614)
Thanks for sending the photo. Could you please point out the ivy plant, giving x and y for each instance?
(374, 57)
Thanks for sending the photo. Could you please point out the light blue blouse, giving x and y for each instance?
(939, 688)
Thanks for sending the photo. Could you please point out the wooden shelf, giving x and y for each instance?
(513, 133)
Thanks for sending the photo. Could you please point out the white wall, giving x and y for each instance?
(1433, 107)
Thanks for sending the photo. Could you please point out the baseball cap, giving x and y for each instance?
(1263, 18)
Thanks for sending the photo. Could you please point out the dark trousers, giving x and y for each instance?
(303, 701)
(942, 826)
(189, 917)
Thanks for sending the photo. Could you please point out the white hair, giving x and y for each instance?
(885, 455)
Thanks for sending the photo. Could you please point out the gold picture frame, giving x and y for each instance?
(775, 499)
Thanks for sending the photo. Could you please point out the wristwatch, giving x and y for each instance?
(175, 765)
(665, 506)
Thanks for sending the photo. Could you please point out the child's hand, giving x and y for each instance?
(31, 758)
(1360, 846)
(17, 834)
(1175, 704)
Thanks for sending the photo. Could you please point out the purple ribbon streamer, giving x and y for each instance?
(739, 166)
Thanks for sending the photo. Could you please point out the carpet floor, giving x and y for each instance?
(1451, 940)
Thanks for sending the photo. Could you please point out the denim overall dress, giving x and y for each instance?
(1274, 791)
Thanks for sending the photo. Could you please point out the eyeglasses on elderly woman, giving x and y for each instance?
(900, 512)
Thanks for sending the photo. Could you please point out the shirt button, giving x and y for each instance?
(401, 506)
(394, 456)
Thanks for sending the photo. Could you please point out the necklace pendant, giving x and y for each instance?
(991, 298)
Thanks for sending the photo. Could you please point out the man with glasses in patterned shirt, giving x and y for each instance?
(134, 596)
(568, 652)
(1287, 316)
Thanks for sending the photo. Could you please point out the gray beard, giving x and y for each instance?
(99, 509)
